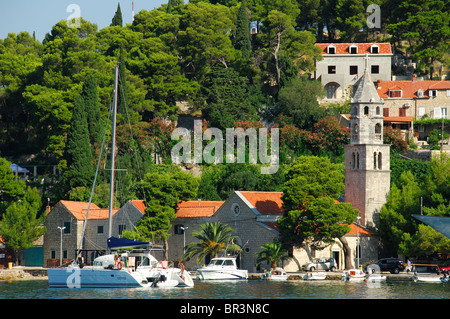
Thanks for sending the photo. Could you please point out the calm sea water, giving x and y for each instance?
(252, 289)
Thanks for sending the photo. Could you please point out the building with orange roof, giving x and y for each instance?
(343, 63)
(253, 215)
(72, 216)
(406, 101)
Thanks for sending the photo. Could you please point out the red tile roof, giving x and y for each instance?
(198, 208)
(363, 48)
(362, 230)
(79, 210)
(139, 205)
(410, 88)
(267, 203)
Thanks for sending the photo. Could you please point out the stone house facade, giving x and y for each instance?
(253, 216)
(405, 101)
(344, 63)
(72, 216)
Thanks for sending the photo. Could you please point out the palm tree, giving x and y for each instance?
(214, 238)
(272, 253)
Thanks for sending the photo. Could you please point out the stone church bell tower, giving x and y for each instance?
(367, 169)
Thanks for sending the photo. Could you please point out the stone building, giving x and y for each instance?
(367, 159)
(72, 215)
(343, 64)
(405, 101)
(253, 216)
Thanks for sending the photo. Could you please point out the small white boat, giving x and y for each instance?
(374, 277)
(275, 274)
(315, 276)
(431, 279)
(354, 275)
(223, 268)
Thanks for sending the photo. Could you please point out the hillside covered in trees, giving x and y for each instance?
(198, 59)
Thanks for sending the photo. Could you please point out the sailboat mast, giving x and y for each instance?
(113, 152)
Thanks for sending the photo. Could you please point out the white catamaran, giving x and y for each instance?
(135, 268)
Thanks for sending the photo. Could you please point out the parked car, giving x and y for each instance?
(393, 265)
(445, 267)
(320, 264)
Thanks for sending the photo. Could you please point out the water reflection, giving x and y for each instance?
(252, 289)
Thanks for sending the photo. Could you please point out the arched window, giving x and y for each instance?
(353, 160)
(378, 110)
(378, 128)
(366, 110)
(357, 160)
(379, 161)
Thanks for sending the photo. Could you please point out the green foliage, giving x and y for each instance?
(435, 137)
(11, 189)
(117, 19)
(214, 238)
(398, 229)
(163, 189)
(21, 225)
(309, 199)
(272, 253)
(78, 156)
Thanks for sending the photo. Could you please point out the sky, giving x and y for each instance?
(41, 15)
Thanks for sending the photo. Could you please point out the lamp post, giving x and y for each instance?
(357, 241)
(60, 247)
(184, 238)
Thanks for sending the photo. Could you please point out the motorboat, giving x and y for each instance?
(275, 274)
(223, 268)
(315, 276)
(430, 279)
(374, 277)
(137, 268)
(132, 269)
(354, 275)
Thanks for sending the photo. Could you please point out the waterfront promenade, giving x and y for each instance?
(33, 273)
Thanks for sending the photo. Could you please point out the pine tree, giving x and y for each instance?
(117, 19)
(92, 109)
(243, 32)
(80, 162)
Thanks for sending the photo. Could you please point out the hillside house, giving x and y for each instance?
(72, 215)
(253, 216)
(344, 63)
(405, 101)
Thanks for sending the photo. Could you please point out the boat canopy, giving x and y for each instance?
(116, 243)
(439, 223)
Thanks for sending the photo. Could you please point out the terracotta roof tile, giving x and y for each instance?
(267, 203)
(363, 48)
(194, 208)
(79, 210)
(410, 88)
(362, 230)
(139, 205)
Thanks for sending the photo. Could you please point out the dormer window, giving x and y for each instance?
(419, 93)
(331, 49)
(395, 93)
(374, 49)
(353, 49)
(432, 93)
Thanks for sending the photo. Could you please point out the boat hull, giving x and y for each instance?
(91, 278)
(208, 274)
(113, 278)
(314, 276)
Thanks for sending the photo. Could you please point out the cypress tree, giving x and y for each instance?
(78, 154)
(243, 42)
(117, 19)
(92, 109)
